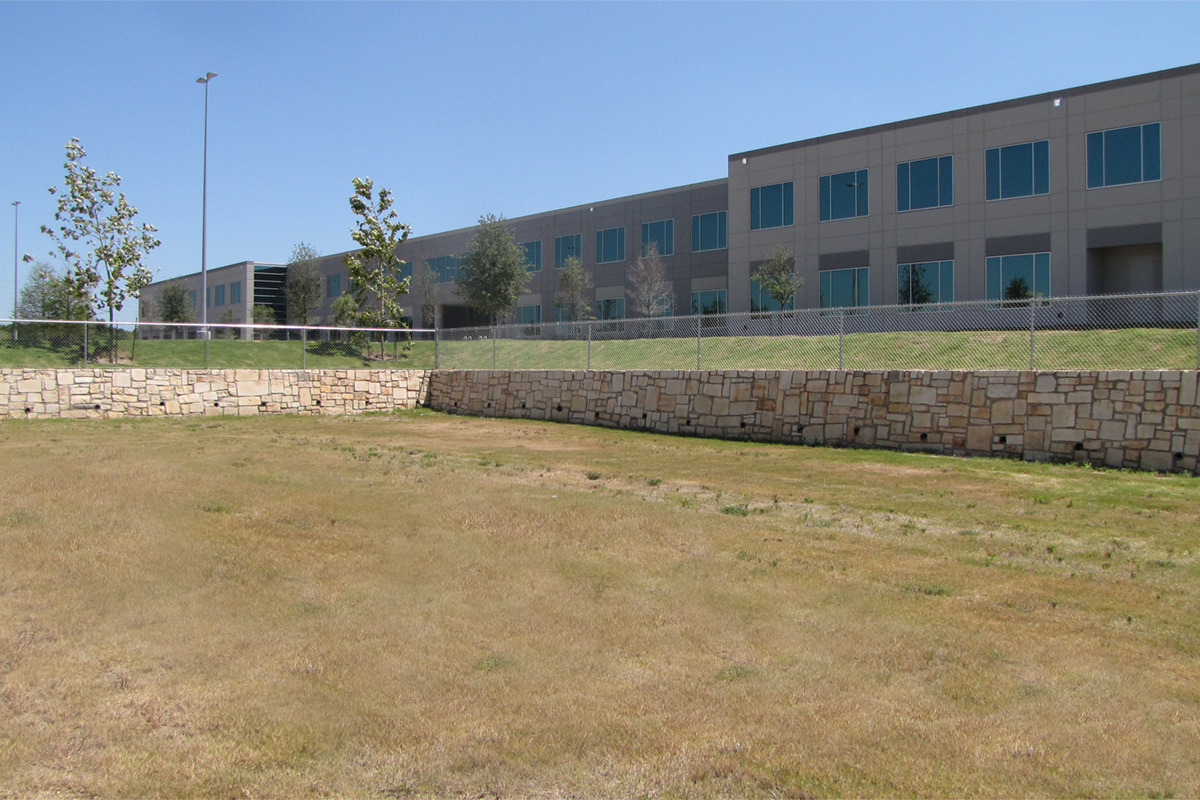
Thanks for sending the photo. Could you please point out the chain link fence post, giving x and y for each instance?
(303, 348)
(85, 345)
(437, 336)
(494, 334)
(697, 318)
(1032, 325)
(590, 325)
(1197, 330)
(841, 338)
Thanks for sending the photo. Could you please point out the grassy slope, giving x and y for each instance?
(1145, 348)
(428, 605)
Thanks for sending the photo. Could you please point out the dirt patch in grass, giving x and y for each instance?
(421, 605)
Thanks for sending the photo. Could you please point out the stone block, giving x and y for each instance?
(1157, 461)
(979, 438)
(1063, 416)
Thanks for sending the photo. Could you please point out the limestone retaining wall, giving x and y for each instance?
(98, 393)
(1140, 420)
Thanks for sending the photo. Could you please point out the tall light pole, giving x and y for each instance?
(16, 216)
(204, 220)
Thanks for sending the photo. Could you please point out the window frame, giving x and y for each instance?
(668, 236)
(944, 169)
(1035, 293)
(532, 264)
(721, 219)
(333, 282)
(787, 205)
(720, 295)
(560, 252)
(945, 268)
(235, 293)
(862, 288)
(441, 266)
(862, 195)
(603, 245)
(1038, 148)
(1101, 136)
(761, 301)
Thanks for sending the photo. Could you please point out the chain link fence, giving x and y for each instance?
(1134, 332)
(58, 344)
(1143, 331)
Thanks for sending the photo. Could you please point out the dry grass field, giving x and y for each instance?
(421, 605)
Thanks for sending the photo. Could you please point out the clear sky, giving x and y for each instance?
(466, 108)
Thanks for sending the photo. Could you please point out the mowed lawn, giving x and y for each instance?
(421, 605)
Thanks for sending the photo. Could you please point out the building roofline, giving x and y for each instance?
(581, 207)
(1076, 91)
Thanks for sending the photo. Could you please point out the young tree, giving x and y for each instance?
(98, 238)
(777, 275)
(574, 284)
(173, 303)
(261, 315)
(494, 270)
(303, 283)
(374, 269)
(651, 292)
(46, 295)
(428, 286)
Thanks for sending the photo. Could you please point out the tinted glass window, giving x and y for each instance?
(844, 195)
(445, 267)
(843, 288)
(1018, 170)
(660, 233)
(925, 282)
(761, 299)
(709, 302)
(771, 206)
(1018, 277)
(708, 231)
(610, 245)
(567, 247)
(1124, 155)
(533, 257)
(928, 183)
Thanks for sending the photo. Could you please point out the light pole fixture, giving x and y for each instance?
(16, 216)
(204, 218)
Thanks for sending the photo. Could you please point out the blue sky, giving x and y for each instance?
(512, 108)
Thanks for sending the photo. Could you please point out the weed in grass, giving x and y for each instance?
(493, 662)
(931, 589)
(740, 510)
(736, 672)
(215, 508)
(653, 481)
(592, 475)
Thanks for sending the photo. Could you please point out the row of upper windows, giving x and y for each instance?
(215, 295)
(1114, 157)
(708, 233)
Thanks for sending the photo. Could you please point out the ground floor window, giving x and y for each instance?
(712, 301)
(925, 282)
(845, 288)
(1018, 277)
(762, 301)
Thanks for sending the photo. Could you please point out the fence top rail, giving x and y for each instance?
(201, 326)
(1006, 305)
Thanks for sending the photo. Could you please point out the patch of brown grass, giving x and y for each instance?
(424, 605)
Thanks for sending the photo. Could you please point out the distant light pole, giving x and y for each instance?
(204, 218)
(16, 216)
